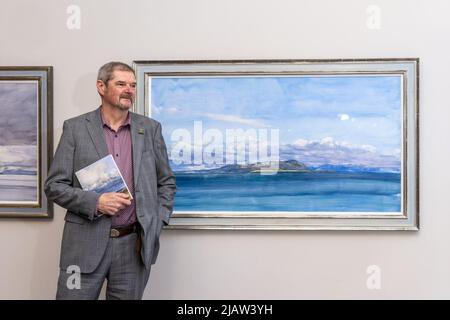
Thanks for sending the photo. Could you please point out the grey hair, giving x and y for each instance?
(106, 71)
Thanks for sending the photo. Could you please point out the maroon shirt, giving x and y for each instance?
(119, 146)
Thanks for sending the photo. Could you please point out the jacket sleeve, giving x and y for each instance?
(166, 179)
(59, 184)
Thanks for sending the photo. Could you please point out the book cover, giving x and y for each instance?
(103, 176)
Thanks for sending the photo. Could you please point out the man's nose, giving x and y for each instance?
(130, 89)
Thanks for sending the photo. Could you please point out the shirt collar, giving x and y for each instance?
(126, 123)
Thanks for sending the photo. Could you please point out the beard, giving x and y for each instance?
(122, 106)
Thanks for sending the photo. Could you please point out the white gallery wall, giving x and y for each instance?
(195, 264)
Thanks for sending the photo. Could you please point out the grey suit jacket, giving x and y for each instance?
(85, 236)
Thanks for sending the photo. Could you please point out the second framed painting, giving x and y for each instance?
(288, 144)
(26, 140)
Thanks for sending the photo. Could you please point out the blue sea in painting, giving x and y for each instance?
(289, 191)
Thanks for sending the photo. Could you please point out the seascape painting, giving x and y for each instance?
(312, 143)
(19, 143)
(26, 140)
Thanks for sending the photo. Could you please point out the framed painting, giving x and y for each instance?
(26, 142)
(288, 144)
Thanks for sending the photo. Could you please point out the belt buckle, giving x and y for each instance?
(114, 233)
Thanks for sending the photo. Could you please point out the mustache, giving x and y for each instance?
(127, 96)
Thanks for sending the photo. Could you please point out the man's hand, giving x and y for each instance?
(110, 203)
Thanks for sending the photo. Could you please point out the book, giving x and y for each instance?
(103, 176)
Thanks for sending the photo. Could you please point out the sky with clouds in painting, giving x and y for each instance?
(324, 117)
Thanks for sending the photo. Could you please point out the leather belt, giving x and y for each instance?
(123, 231)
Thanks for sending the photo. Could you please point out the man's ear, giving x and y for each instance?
(101, 86)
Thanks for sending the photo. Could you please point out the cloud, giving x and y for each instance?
(328, 151)
(344, 117)
(172, 110)
(155, 109)
(235, 119)
(25, 156)
(97, 174)
(18, 109)
(301, 143)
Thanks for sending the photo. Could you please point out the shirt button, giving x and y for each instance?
(116, 135)
(117, 155)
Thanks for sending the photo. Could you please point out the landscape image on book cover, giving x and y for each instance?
(103, 176)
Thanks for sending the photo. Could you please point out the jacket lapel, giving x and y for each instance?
(137, 140)
(95, 129)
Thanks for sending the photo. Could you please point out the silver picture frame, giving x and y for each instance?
(394, 106)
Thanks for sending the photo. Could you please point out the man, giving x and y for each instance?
(110, 236)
